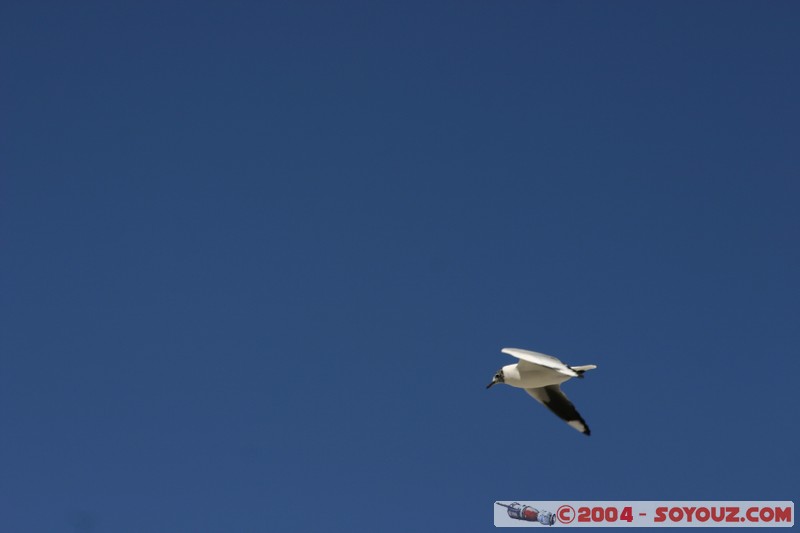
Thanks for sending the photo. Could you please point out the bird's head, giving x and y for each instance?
(498, 378)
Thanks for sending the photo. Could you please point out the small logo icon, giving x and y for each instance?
(528, 513)
(566, 514)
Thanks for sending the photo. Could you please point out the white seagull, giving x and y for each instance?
(540, 376)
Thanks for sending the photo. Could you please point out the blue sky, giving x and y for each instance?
(259, 259)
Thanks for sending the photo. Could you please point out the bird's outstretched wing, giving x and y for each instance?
(528, 358)
(554, 399)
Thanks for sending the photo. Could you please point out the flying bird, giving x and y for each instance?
(541, 375)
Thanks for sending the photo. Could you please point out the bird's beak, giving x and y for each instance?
(489, 386)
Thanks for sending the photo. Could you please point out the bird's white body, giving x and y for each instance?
(532, 379)
(540, 375)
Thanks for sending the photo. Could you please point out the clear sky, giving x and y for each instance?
(259, 259)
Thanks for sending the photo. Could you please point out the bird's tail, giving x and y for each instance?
(581, 369)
